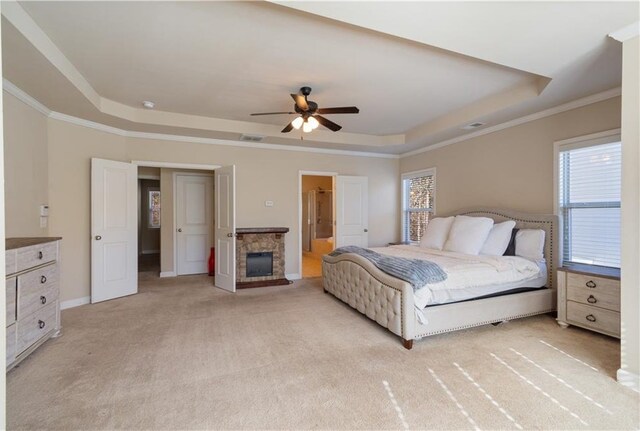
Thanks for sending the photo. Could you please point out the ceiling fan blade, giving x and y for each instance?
(301, 102)
(341, 110)
(272, 113)
(288, 128)
(327, 123)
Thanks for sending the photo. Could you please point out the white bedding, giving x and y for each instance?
(470, 276)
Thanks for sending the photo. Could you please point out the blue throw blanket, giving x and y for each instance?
(414, 271)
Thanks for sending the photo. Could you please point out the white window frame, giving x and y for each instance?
(404, 194)
(605, 137)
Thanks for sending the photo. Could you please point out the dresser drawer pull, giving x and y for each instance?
(591, 318)
(43, 299)
(40, 255)
(41, 324)
(43, 279)
(591, 284)
(591, 299)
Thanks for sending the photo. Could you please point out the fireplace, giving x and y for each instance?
(259, 264)
(260, 257)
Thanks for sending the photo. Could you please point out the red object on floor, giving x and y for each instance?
(212, 261)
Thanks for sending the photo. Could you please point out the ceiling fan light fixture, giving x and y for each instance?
(313, 122)
(307, 127)
(297, 123)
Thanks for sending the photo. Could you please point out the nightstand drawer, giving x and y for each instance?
(593, 283)
(595, 297)
(594, 318)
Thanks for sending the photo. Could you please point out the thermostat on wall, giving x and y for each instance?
(268, 203)
(44, 210)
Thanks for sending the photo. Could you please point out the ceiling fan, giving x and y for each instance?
(310, 117)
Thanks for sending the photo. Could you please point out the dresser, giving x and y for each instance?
(32, 288)
(589, 297)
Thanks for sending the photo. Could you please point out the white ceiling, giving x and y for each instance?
(415, 70)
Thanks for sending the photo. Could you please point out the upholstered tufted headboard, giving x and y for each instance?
(546, 222)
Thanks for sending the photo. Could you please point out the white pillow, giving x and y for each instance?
(468, 234)
(530, 244)
(498, 239)
(436, 233)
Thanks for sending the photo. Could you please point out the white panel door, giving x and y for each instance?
(194, 223)
(352, 211)
(225, 230)
(114, 229)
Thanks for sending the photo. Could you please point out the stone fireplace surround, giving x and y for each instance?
(260, 240)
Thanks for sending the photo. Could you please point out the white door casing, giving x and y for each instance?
(194, 223)
(225, 229)
(114, 230)
(352, 211)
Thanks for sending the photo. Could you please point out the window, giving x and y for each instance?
(418, 201)
(154, 209)
(589, 181)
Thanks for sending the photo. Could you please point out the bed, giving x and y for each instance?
(392, 303)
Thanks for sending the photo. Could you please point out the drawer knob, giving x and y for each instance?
(41, 324)
(40, 255)
(43, 279)
(591, 318)
(591, 284)
(43, 299)
(592, 299)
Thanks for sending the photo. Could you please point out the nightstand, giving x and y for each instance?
(589, 297)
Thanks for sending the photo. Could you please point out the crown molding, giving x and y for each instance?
(15, 91)
(588, 100)
(626, 33)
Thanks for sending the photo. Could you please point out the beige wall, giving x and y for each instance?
(167, 263)
(25, 164)
(630, 290)
(260, 175)
(511, 168)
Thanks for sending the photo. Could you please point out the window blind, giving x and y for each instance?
(589, 200)
(418, 205)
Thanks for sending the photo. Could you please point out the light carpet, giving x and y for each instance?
(182, 354)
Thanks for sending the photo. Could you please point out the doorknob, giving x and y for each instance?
(179, 229)
(98, 237)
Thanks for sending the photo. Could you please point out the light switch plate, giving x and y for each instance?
(44, 210)
(268, 203)
(43, 222)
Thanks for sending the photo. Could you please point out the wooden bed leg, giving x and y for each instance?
(408, 344)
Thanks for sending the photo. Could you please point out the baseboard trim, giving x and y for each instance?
(629, 379)
(71, 303)
(150, 251)
(168, 274)
(293, 276)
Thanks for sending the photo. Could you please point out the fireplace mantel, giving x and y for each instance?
(252, 240)
(243, 230)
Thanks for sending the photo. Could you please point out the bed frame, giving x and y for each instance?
(389, 301)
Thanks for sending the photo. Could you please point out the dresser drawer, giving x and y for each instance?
(37, 280)
(11, 261)
(11, 343)
(35, 326)
(35, 255)
(593, 283)
(595, 297)
(11, 300)
(593, 317)
(33, 301)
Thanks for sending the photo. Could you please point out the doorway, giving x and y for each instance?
(149, 205)
(318, 221)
